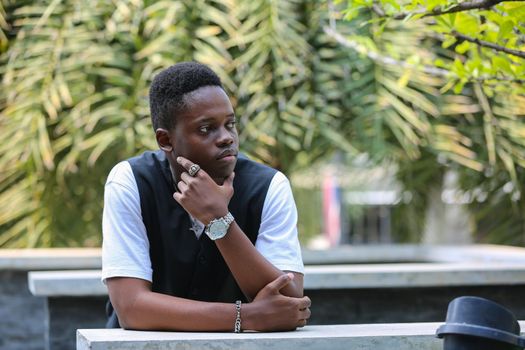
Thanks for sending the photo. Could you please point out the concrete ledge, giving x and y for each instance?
(400, 336)
(68, 300)
(344, 337)
(343, 294)
(90, 258)
(406, 253)
(66, 283)
(87, 282)
(412, 275)
(50, 259)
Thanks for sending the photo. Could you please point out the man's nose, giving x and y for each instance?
(225, 137)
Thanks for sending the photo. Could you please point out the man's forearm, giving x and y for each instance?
(142, 309)
(249, 267)
(139, 308)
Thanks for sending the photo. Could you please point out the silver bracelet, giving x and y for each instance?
(237, 328)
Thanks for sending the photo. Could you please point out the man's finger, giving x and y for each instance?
(277, 284)
(186, 163)
(304, 303)
(186, 177)
(182, 186)
(305, 314)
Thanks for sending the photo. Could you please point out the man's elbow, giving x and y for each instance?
(297, 292)
(295, 287)
(128, 317)
(135, 320)
(294, 290)
(129, 314)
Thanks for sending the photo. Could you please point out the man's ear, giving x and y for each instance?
(163, 140)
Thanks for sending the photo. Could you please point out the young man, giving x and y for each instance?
(196, 236)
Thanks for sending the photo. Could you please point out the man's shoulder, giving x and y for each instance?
(147, 158)
(151, 167)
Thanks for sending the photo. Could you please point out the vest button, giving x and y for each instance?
(202, 259)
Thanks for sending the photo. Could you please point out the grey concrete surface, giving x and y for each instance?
(87, 282)
(413, 253)
(329, 306)
(392, 305)
(66, 283)
(23, 317)
(346, 294)
(408, 336)
(90, 258)
(27, 321)
(50, 259)
(66, 315)
(412, 275)
(343, 337)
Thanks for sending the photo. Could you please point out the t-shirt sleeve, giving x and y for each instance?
(277, 240)
(125, 246)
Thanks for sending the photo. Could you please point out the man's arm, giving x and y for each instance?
(251, 270)
(139, 308)
(205, 200)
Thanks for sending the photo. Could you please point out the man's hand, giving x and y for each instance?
(201, 196)
(272, 311)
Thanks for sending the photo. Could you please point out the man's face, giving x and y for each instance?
(205, 132)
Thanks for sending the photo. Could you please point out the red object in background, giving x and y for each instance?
(331, 210)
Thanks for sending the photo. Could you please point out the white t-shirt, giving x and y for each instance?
(125, 248)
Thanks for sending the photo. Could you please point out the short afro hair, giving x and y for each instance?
(166, 93)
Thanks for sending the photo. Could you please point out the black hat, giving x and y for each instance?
(476, 323)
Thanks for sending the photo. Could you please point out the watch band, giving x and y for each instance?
(228, 218)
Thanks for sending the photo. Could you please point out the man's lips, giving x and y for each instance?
(227, 153)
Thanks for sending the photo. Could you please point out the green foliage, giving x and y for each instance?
(73, 100)
(74, 80)
(73, 90)
(486, 37)
(466, 68)
(309, 206)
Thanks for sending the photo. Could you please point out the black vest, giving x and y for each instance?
(183, 265)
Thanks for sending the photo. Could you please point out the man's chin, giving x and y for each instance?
(219, 180)
(220, 176)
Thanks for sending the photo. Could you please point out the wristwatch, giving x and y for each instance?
(217, 228)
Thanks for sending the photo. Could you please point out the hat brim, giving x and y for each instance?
(480, 331)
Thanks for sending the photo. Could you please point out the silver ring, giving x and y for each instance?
(194, 169)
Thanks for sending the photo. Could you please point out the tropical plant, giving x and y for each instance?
(472, 96)
(486, 36)
(303, 82)
(74, 96)
(77, 75)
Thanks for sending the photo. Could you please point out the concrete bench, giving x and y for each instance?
(371, 294)
(88, 282)
(401, 336)
(23, 316)
(340, 293)
(413, 253)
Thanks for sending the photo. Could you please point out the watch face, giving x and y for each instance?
(218, 229)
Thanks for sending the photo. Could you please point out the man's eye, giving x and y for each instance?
(231, 124)
(204, 129)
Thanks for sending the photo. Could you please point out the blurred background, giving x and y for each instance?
(396, 122)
